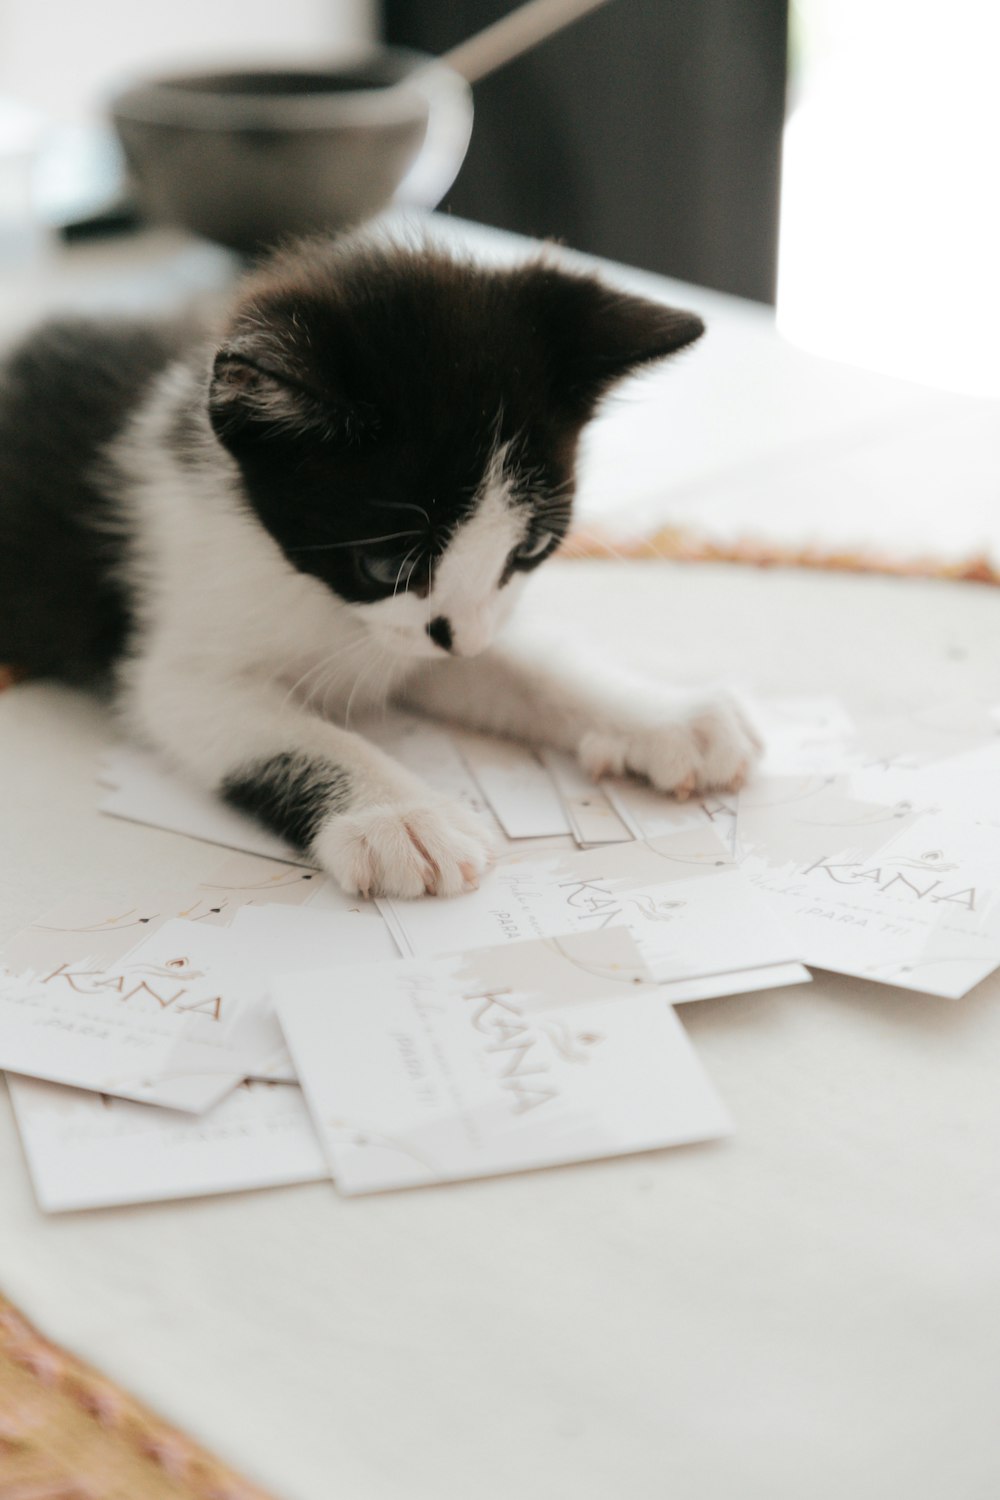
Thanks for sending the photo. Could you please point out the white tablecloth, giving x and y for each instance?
(808, 1309)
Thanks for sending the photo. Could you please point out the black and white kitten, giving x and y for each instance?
(335, 502)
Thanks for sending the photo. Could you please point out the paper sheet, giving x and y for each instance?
(87, 1150)
(153, 1026)
(517, 786)
(689, 907)
(592, 818)
(505, 1059)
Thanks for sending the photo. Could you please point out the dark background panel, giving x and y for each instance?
(648, 132)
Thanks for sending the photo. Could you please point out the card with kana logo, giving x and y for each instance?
(499, 1060)
(82, 964)
(919, 908)
(87, 1150)
(700, 925)
(154, 1026)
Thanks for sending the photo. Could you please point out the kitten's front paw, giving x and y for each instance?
(711, 747)
(434, 847)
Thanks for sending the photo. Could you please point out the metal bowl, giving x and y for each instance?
(250, 157)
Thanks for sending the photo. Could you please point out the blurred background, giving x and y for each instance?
(837, 156)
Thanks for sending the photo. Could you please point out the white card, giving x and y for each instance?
(736, 982)
(267, 940)
(785, 822)
(430, 751)
(650, 814)
(932, 731)
(244, 878)
(140, 788)
(87, 1150)
(526, 1056)
(921, 910)
(966, 787)
(688, 906)
(98, 930)
(152, 1026)
(592, 819)
(88, 937)
(804, 735)
(282, 939)
(517, 786)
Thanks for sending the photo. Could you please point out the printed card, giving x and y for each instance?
(97, 931)
(88, 948)
(241, 879)
(592, 819)
(280, 939)
(650, 814)
(920, 910)
(87, 1150)
(966, 787)
(687, 904)
(784, 822)
(137, 785)
(140, 788)
(805, 735)
(914, 735)
(517, 786)
(430, 751)
(152, 1027)
(529, 1055)
(189, 1003)
(267, 940)
(733, 982)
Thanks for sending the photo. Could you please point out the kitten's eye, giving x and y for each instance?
(535, 546)
(386, 572)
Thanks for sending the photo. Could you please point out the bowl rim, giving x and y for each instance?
(167, 99)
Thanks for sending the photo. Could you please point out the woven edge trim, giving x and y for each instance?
(188, 1469)
(676, 544)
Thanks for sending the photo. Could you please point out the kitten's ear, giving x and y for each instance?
(598, 335)
(252, 398)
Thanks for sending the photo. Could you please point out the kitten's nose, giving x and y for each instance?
(439, 631)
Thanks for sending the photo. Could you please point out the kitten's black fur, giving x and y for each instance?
(357, 390)
(64, 393)
(385, 379)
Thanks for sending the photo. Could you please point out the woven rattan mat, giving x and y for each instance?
(67, 1433)
(677, 544)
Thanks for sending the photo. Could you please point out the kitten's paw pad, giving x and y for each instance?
(434, 848)
(712, 748)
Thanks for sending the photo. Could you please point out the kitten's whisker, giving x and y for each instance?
(376, 661)
(547, 504)
(294, 690)
(365, 541)
(402, 565)
(400, 505)
(324, 665)
(323, 689)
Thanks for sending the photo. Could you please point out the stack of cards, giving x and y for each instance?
(265, 1029)
(701, 926)
(414, 1071)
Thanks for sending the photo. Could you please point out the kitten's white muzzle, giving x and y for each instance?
(466, 594)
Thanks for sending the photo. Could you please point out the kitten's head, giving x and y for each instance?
(406, 423)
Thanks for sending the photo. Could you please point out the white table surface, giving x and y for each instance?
(810, 1308)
